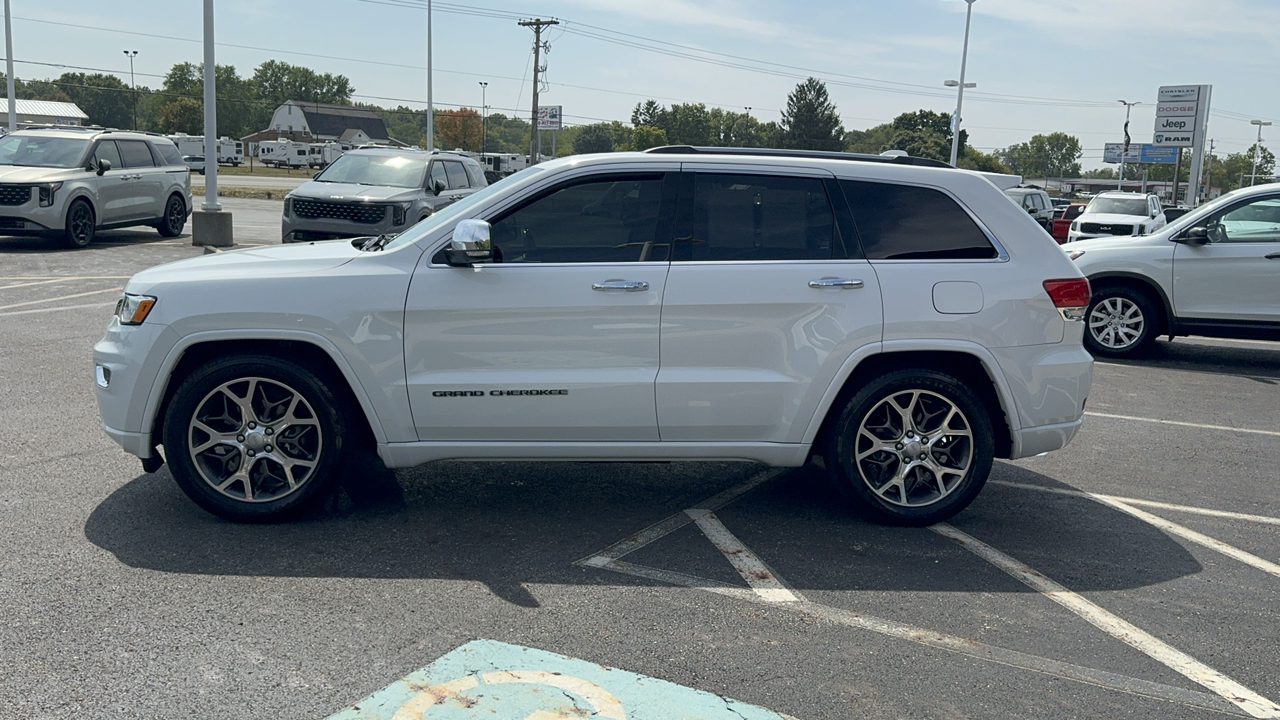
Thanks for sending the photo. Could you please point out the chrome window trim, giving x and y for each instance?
(1002, 255)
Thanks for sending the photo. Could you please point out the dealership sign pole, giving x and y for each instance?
(1182, 119)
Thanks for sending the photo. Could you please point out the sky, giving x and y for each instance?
(1039, 66)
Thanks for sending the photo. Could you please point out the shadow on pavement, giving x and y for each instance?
(104, 240)
(506, 524)
(1256, 362)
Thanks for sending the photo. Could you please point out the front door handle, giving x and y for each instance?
(627, 285)
(1274, 256)
(835, 282)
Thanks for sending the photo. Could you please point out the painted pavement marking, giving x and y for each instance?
(1125, 505)
(1265, 519)
(758, 575)
(56, 309)
(490, 679)
(56, 299)
(1180, 423)
(611, 559)
(1247, 700)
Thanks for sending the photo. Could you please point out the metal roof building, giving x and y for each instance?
(45, 112)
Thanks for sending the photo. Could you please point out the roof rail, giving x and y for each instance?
(815, 154)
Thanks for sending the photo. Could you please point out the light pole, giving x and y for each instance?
(131, 54)
(8, 52)
(484, 121)
(1124, 152)
(955, 121)
(960, 86)
(431, 111)
(1257, 150)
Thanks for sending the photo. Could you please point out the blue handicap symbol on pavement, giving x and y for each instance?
(489, 679)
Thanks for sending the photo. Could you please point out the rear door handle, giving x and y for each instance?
(835, 282)
(627, 285)
(1274, 256)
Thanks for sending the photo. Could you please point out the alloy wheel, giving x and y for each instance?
(1116, 323)
(80, 224)
(914, 448)
(254, 439)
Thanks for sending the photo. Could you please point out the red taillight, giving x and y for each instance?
(1068, 293)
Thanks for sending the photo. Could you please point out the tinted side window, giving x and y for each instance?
(437, 175)
(107, 150)
(609, 220)
(476, 175)
(760, 217)
(1256, 221)
(135, 153)
(901, 222)
(457, 175)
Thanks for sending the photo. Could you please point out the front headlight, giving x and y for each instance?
(47, 191)
(133, 309)
(288, 206)
(399, 212)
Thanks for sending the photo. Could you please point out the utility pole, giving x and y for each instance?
(1257, 150)
(133, 85)
(484, 122)
(8, 45)
(1208, 170)
(537, 24)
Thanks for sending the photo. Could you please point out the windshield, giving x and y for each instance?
(36, 151)
(461, 208)
(384, 170)
(1119, 206)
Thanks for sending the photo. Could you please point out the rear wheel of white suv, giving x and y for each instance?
(912, 447)
(1120, 322)
(254, 438)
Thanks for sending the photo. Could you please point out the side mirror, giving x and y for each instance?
(1193, 236)
(436, 187)
(103, 165)
(470, 244)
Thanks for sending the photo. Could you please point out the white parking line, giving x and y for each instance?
(1124, 631)
(756, 573)
(1191, 535)
(56, 299)
(64, 277)
(1182, 424)
(57, 309)
(929, 638)
(1265, 519)
(38, 282)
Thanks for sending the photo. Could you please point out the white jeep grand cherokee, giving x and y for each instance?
(899, 319)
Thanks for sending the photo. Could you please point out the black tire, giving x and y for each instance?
(957, 457)
(1121, 322)
(174, 218)
(269, 490)
(80, 226)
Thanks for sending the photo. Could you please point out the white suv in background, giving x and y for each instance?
(1118, 213)
(73, 181)
(1214, 271)
(897, 318)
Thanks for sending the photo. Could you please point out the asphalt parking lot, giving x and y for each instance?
(1133, 574)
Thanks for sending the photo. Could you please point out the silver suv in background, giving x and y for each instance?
(72, 182)
(377, 191)
(1035, 202)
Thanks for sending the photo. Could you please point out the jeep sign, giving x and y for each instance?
(1175, 124)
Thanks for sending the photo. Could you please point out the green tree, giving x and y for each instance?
(597, 138)
(647, 136)
(735, 129)
(932, 123)
(972, 159)
(239, 110)
(810, 120)
(277, 82)
(650, 112)
(921, 143)
(183, 115)
(104, 98)
(1053, 155)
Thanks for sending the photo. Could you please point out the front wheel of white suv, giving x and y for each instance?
(1121, 322)
(254, 438)
(912, 447)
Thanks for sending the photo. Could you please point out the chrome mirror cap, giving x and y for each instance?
(470, 243)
